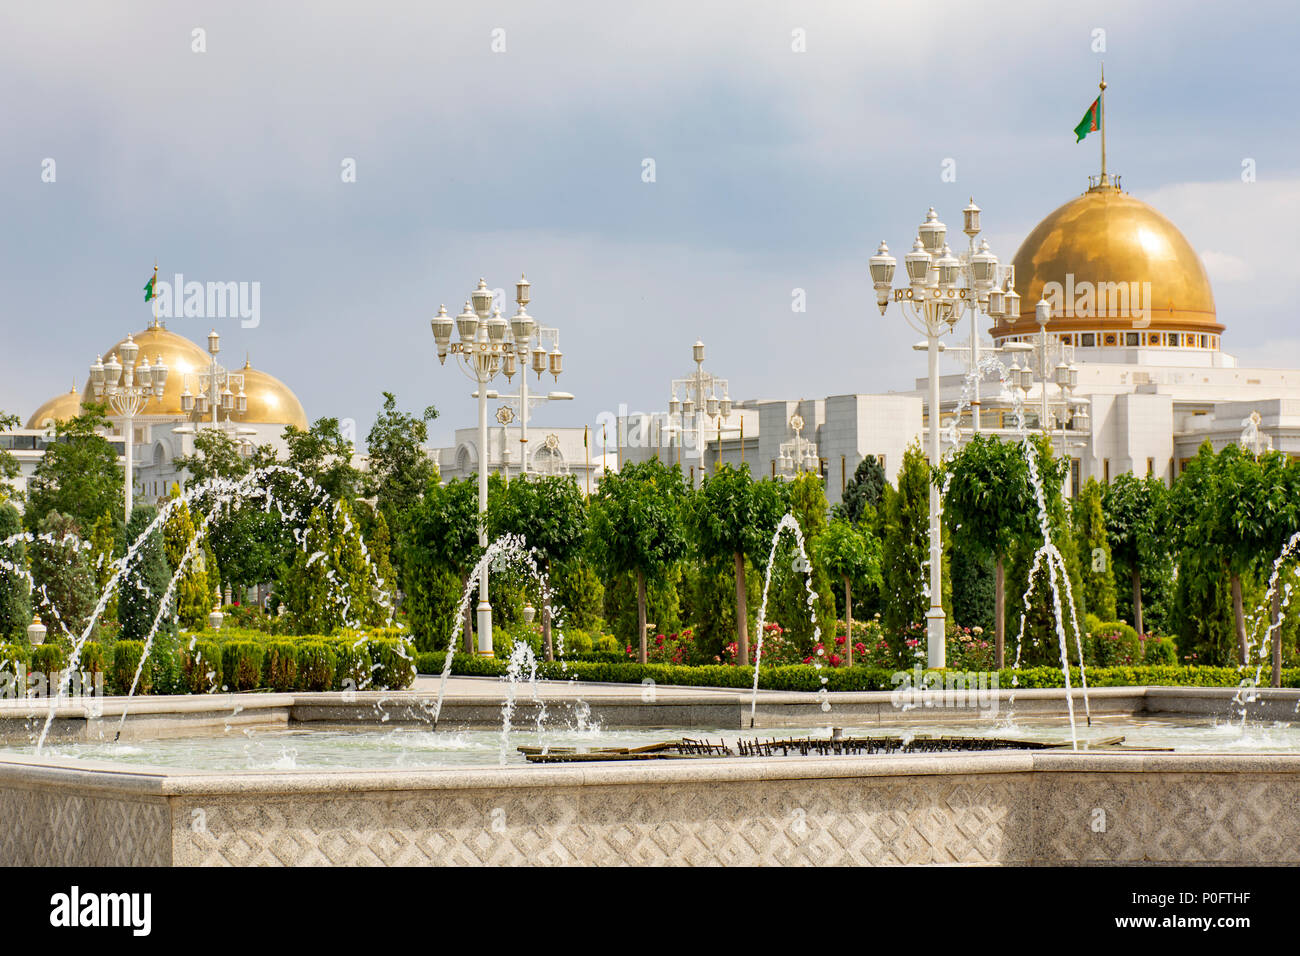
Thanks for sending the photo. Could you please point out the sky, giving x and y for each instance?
(490, 139)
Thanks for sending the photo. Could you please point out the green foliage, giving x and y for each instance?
(78, 475)
(65, 582)
(865, 491)
(15, 591)
(663, 605)
(906, 545)
(635, 524)
(308, 589)
(194, 593)
(216, 455)
(48, 659)
(848, 550)
(393, 663)
(579, 595)
(398, 470)
(241, 665)
(201, 668)
(352, 661)
(317, 665)
(1138, 513)
(439, 547)
(145, 581)
(1096, 567)
(353, 583)
(973, 584)
(280, 666)
(121, 671)
(325, 456)
(9, 468)
(380, 546)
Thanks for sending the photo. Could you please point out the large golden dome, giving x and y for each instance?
(270, 401)
(183, 358)
(1107, 236)
(60, 408)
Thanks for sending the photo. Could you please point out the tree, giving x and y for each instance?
(789, 595)
(145, 580)
(440, 538)
(398, 470)
(15, 591)
(1135, 510)
(325, 456)
(1093, 546)
(635, 526)
(731, 516)
(78, 475)
(8, 463)
(216, 455)
(64, 581)
(989, 503)
(309, 586)
(1265, 514)
(578, 590)
(906, 545)
(353, 581)
(549, 513)
(865, 490)
(193, 596)
(853, 555)
(381, 555)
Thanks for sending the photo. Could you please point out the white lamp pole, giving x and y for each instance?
(128, 388)
(487, 342)
(940, 288)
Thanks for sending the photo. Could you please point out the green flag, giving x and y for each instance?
(149, 291)
(1091, 121)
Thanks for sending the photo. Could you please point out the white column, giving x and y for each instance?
(129, 431)
(934, 618)
(523, 417)
(484, 609)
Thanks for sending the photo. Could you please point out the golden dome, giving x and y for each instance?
(270, 401)
(183, 358)
(60, 408)
(1100, 247)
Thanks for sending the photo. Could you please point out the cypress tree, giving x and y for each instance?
(15, 591)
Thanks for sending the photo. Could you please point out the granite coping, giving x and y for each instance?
(87, 776)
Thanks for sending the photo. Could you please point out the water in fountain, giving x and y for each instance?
(1057, 574)
(227, 493)
(1247, 690)
(788, 523)
(507, 551)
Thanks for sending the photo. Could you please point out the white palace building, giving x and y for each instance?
(1136, 375)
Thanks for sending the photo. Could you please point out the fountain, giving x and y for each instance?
(788, 523)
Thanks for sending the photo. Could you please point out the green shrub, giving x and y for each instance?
(241, 665)
(352, 667)
(126, 658)
(48, 659)
(393, 663)
(13, 666)
(91, 660)
(576, 641)
(607, 644)
(280, 666)
(1159, 651)
(1113, 644)
(201, 667)
(317, 666)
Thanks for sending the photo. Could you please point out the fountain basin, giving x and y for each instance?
(990, 808)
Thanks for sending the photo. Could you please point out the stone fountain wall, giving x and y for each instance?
(1026, 808)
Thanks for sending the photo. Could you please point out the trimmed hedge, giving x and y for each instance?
(317, 666)
(280, 669)
(241, 665)
(802, 677)
(121, 670)
(201, 667)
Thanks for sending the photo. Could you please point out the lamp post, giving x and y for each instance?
(128, 388)
(214, 394)
(800, 454)
(488, 343)
(939, 291)
(701, 400)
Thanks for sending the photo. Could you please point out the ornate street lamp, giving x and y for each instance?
(701, 402)
(127, 387)
(490, 344)
(940, 289)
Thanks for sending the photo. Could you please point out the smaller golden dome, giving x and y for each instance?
(60, 408)
(270, 401)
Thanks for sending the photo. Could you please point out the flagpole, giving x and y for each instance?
(1101, 121)
(155, 293)
(587, 448)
